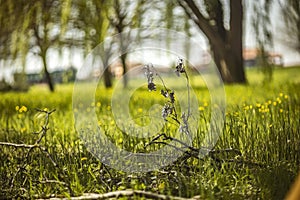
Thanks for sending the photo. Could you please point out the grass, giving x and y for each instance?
(262, 122)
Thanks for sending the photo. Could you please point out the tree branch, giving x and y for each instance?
(190, 9)
(194, 13)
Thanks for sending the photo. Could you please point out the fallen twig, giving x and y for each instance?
(192, 152)
(27, 146)
(165, 137)
(42, 133)
(124, 193)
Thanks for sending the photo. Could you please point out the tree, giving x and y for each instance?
(122, 20)
(46, 26)
(119, 23)
(291, 15)
(226, 42)
(92, 19)
(263, 31)
(38, 26)
(10, 13)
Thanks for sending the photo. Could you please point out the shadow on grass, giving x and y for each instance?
(276, 181)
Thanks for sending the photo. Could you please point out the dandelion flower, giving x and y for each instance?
(201, 108)
(246, 108)
(23, 109)
(281, 110)
(83, 158)
(23, 130)
(258, 105)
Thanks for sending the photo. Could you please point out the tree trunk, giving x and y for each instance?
(236, 61)
(107, 78)
(229, 56)
(226, 45)
(47, 74)
(123, 60)
(229, 65)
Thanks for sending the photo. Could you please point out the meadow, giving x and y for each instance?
(256, 157)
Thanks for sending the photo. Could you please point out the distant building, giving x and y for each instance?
(58, 76)
(252, 57)
(34, 78)
(116, 68)
(64, 75)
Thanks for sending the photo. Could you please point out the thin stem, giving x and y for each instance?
(189, 98)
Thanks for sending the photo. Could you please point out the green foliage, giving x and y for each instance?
(261, 122)
(291, 32)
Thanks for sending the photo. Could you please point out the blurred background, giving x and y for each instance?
(46, 41)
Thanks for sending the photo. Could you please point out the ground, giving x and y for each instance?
(257, 155)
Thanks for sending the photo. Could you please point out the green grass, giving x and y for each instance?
(262, 122)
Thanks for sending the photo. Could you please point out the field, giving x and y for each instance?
(256, 157)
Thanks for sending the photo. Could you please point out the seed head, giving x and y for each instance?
(150, 77)
(166, 111)
(164, 93)
(172, 97)
(180, 67)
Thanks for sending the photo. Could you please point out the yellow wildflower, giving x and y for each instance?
(23, 130)
(258, 105)
(267, 110)
(201, 108)
(23, 109)
(98, 104)
(278, 99)
(161, 186)
(83, 158)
